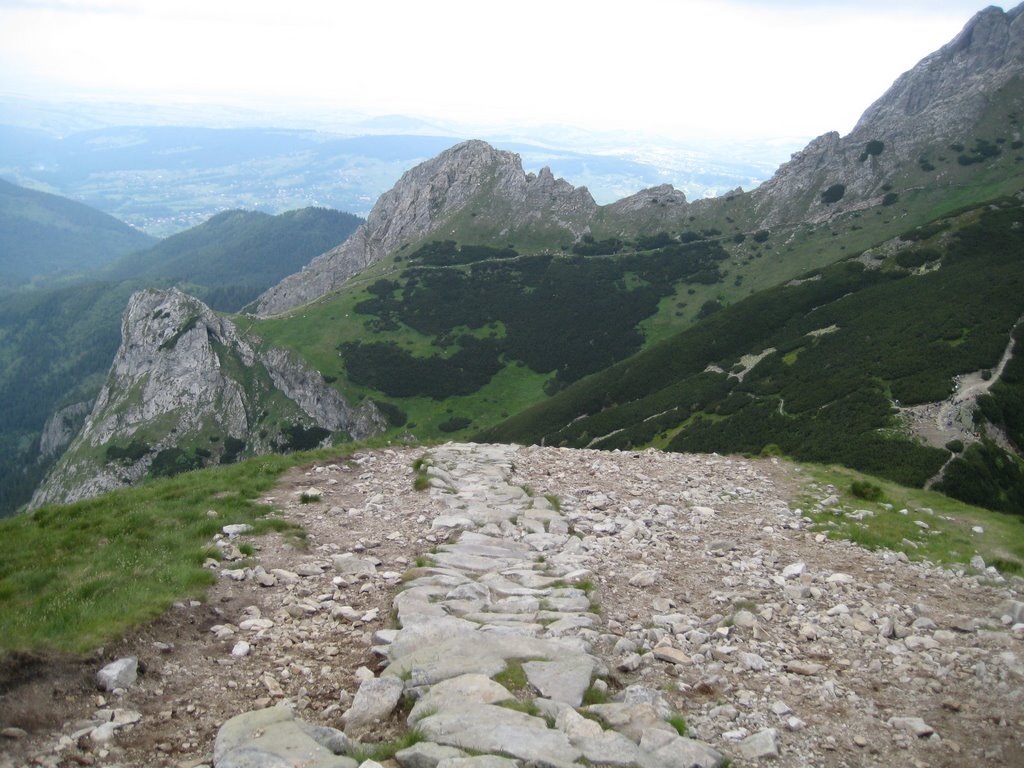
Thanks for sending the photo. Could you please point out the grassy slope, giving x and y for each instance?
(896, 334)
(73, 577)
(77, 576)
(949, 538)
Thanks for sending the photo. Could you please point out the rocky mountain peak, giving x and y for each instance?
(185, 379)
(426, 196)
(950, 82)
(936, 103)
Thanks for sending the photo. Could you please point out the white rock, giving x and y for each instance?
(119, 674)
(241, 649)
(793, 570)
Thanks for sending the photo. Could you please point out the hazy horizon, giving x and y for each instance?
(693, 71)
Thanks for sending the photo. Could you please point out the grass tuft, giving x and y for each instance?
(385, 750)
(678, 722)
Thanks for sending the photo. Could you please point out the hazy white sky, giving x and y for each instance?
(684, 68)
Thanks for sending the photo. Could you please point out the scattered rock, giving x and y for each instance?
(119, 674)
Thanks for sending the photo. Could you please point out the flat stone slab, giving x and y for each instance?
(457, 693)
(501, 585)
(496, 730)
(273, 738)
(426, 754)
(479, 761)
(375, 700)
(484, 653)
(410, 639)
(631, 720)
(485, 550)
(659, 749)
(563, 680)
(414, 606)
(609, 748)
(472, 563)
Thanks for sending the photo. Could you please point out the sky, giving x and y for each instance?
(686, 69)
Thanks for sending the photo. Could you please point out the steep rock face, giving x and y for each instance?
(425, 197)
(937, 102)
(184, 383)
(60, 428)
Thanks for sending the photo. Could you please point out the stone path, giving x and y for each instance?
(484, 623)
(542, 606)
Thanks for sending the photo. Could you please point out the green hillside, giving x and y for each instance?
(43, 235)
(234, 256)
(817, 367)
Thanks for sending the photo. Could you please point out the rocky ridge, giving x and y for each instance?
(552, 607)
(423, 199)
(172, 381)
(938, 101)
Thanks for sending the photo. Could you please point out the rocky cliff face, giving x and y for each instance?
(187, 388)
(937, 102)
(427, 196)
(60, 428)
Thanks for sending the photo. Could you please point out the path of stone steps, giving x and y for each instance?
(486, 623)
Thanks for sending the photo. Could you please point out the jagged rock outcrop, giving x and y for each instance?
(661, 195)
(187, 386)
(61, 428)
(430, 194)
(935, 103)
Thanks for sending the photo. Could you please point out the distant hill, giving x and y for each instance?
(44, 235)
(231, 258)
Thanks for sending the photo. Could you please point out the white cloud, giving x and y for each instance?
(686, 67)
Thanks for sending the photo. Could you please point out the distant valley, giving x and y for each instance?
(163, 180)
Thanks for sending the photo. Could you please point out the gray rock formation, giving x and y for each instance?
(61, 428)
(933, 104)
(182, 376)
(427, 196)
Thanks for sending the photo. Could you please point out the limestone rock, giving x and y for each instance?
(118, 674)
(168, 371)
(424, 198)
(271, 738)
(375, 700)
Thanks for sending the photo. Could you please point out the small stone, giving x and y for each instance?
(914, 725)
(807, 668)
(241, 649)
(793, 571)
(763, 744)
(233, 531)
(661, 604)
(118, 674)
(744, 619)
(645, 579)
(13, 733)
(671, 655)
(752, 662)
(860, 741)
